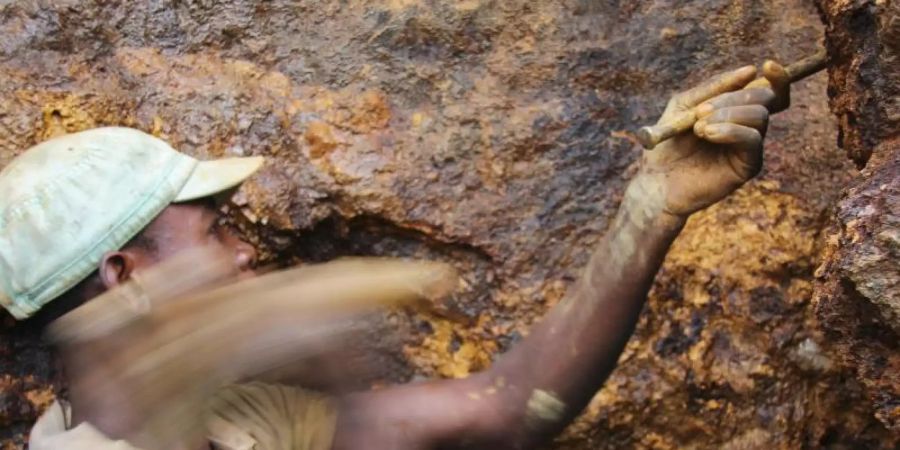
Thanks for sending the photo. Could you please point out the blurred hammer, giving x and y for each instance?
(651, 136)
(157, 348)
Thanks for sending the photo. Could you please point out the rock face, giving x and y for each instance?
(857, 295)
(493, 135)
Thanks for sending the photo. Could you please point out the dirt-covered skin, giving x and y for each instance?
(493, 135)
(857, 295)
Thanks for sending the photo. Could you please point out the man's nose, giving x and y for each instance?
(244, 256)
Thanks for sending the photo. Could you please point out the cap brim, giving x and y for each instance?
(211, 177)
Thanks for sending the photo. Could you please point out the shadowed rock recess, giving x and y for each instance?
(494, 135)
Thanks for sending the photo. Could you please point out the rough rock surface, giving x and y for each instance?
(491, 134)
(857, 296)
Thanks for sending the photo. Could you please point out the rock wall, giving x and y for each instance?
(857, 296)
(494, 135)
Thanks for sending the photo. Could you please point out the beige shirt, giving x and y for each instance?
(253, 416)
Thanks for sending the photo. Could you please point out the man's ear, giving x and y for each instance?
(116, 268)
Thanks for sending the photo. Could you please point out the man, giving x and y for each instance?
(81, 214)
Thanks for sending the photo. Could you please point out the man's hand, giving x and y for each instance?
(694, 170)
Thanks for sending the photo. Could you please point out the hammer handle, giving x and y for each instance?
(651, 136)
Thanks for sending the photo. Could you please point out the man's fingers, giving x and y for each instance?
(726, 82)
(745, 145)
(732, 134)
(751, 96)
(754, 116)
(780, 81)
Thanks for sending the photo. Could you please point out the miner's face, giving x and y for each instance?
(178, 228)
(183, 226)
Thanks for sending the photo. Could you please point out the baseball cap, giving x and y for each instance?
(66, 202)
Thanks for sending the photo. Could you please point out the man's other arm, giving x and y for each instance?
(532, 392)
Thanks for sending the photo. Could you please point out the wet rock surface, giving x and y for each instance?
(857, 296)
(493, 135)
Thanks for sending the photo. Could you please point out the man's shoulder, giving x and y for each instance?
(53, 431)
(241, 417)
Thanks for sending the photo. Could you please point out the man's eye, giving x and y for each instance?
(217, 228)
(213, 229)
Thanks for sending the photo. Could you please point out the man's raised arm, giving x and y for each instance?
(532, 392)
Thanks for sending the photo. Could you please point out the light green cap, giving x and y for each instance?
(66, 202)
